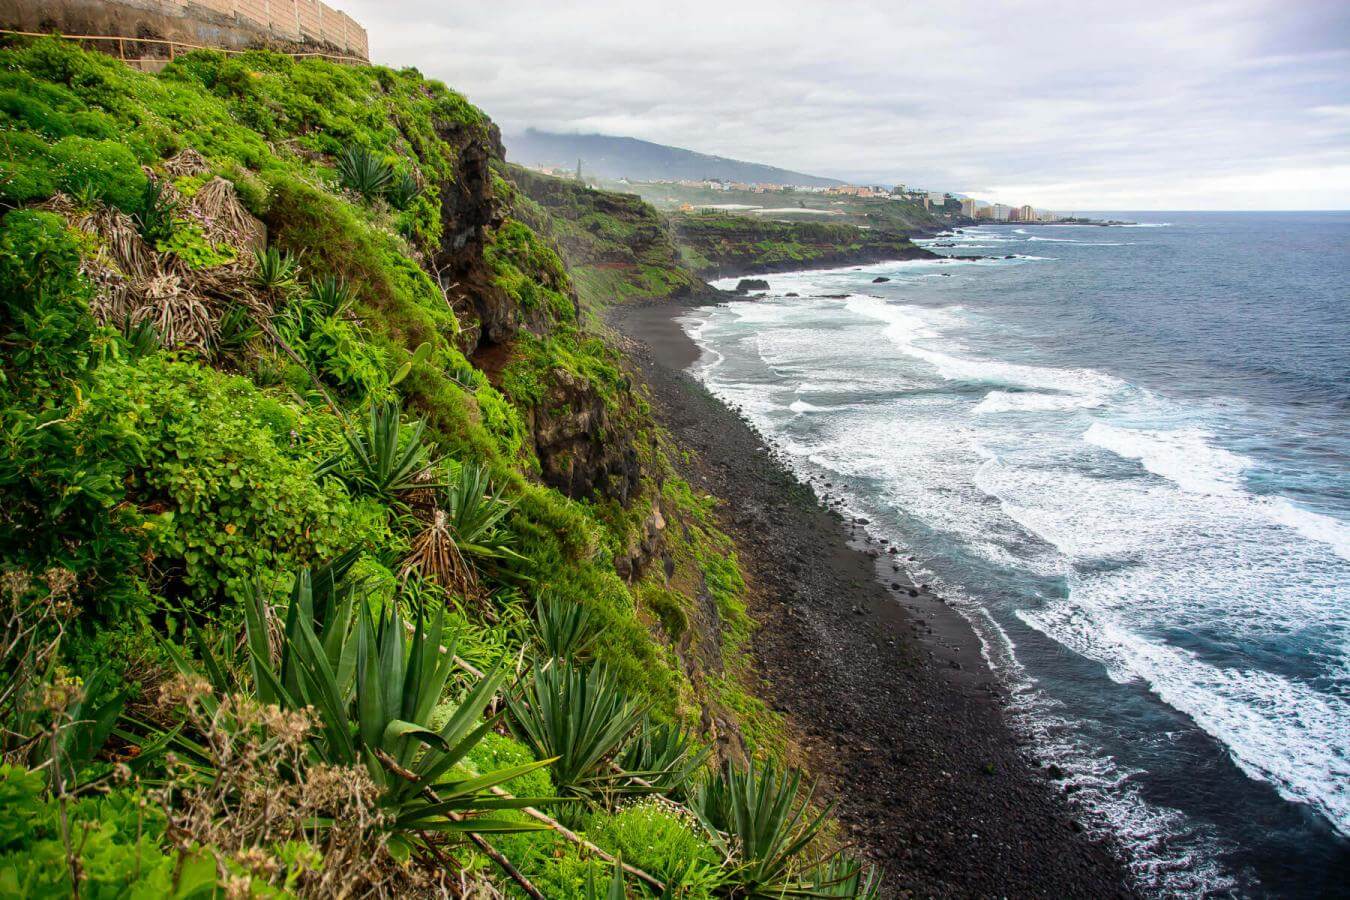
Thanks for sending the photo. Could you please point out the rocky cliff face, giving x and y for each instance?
(723, 246)
(618, 247)
(584, 449)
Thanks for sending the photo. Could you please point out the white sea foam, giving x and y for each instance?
(1185, 456)
(1049, 240)
(1313, 526)
(907, 328)
(1276, 729)
(801, 406)
(1032, 401)
(1165, 570)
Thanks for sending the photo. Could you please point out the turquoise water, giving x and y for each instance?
(1124, 454)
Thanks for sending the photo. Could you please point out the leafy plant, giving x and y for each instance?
(364, 172)
(275, 271)
(156, 216)
(402, 190)
(189, 243)
(663, 840)
(758, 820)
(116, 848)
(373, 683)
(381, 461)
(564, 629)
(666, 756)
(142, 338)
(579, 718)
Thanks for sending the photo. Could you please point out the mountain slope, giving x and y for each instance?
(625, 157)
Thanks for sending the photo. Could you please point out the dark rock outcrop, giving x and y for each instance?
(746, 285)
(582, 449)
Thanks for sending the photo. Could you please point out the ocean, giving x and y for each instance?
(1124, 456)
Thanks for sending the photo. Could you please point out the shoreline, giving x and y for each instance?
(884, 686)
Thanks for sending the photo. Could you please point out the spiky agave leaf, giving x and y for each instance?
(666, 756)
(564, 629)
(844, 876)
(364, 172)
(757, 818)
(380, 460)
(580, 718)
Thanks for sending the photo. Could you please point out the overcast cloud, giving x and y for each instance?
(1233, 104)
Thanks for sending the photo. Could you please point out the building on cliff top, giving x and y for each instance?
(148, 33)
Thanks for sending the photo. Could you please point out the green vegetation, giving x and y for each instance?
(253, 384)
(718, 243)
(617, 247)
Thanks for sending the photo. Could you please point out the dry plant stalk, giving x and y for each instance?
(258, 790)
(224, 219)
(436, 557)
(133, 282)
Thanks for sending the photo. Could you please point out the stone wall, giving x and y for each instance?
(306, 25)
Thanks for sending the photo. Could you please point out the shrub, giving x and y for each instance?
(62, 485)
(663, 842)
(239, 495)
(118, 852)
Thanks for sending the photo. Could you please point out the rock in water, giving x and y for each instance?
(880, 279)
(746, 285)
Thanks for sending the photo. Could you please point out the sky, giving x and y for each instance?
(1069, 106)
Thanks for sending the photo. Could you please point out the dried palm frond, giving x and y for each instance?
(436, 557)
(225, 220)
(186, 162)
(180, 315)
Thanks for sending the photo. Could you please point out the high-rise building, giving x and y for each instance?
(1027, 214)
(1002, 212)
(968, 207)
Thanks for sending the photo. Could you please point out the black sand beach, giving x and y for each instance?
(886, 692)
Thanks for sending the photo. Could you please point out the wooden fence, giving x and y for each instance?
(119, 47)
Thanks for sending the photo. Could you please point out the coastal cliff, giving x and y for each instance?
(719, 245)
(343, 545)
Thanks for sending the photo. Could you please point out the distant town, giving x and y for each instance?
(940, 202)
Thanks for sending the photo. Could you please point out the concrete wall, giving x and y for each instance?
(305, 25)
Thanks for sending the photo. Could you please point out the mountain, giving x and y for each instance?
(625, 157)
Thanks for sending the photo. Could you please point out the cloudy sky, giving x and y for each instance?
(1231, 104)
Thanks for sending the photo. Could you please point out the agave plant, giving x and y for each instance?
(275, 271)
(327, 296)
(157, 215)
(758, 820)
(563, 629)
(611, 888)
(578, 717)
(237, 330)
(666, 756)
(402, 190)
(373, 684)
(843, 876)
(462, 532)
(381, 461)
(364, 172)
(330, 296)
(142, 338)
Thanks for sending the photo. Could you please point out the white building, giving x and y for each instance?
(1001, 212)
